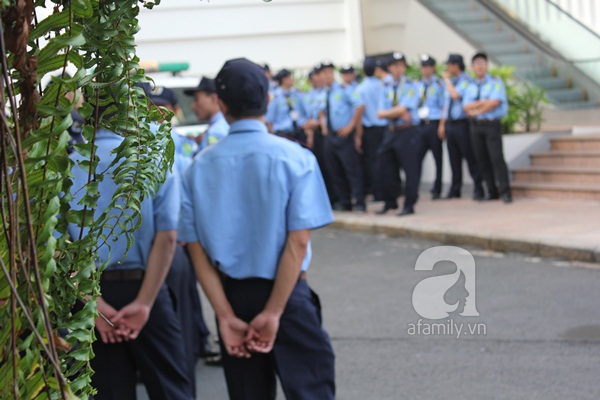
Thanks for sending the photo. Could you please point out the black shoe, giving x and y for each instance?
(452, 196)
(406, 211)
(215, 361)
(387, 208)
(435, 196)
(507, 198)
(208, 351)
(477, 196)
(360, 209)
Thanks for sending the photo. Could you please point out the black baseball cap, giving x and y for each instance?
(369, 66)
(326, 64)
(243, 86)
(284, 73)
(427, 61)
(162, 96)
(206, 85)
(455, 59)
(396, 57)
(347, 69)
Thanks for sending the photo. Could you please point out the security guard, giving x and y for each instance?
(372, 92)
(286, 115)
(431, 104)
(206, 108)
(264, 194)
(454, 127)
(485, 103)
(400, 145)
(139, 330)
(340, 119)
(349, 76)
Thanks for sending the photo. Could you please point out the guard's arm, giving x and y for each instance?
(232, 329)
(132, 318)
(263, 328)
(393, 113)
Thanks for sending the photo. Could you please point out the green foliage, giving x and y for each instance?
(45, 342)
(524, 102)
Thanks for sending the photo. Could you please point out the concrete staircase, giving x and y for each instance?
(482, 26)
(570, 170)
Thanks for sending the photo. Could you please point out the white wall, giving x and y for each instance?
(283, 33)
(407, 26)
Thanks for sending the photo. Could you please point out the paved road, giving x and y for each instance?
(541, 319)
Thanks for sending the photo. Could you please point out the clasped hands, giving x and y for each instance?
(126, 323)
(241, 338)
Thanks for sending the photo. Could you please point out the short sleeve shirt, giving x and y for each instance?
(489, 88)
(158, 214)
(243, 195)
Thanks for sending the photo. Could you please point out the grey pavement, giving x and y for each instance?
(550, 228)
(541, 319)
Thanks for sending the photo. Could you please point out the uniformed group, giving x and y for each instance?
(239, 215)
(365, 133)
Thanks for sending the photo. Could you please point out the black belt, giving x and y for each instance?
(398, 128)
(120, 275)
(225, 277)
(485, 121)
(457, 121)
(429, 121)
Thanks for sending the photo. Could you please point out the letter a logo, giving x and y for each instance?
(428, 295)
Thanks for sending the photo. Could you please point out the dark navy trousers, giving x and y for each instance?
(486, 138)
(157, 353)
(345, 171)
(302, 356)
(429, 140)
(371, 140)
(458, 140)
(399, 150)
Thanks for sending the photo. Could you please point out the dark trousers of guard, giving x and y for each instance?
(157, 353)
(399, 150)
(486, 138)
(181, 282)
(302, 356)
(344, 166)
(429, 140)
(371, 140)
(319, 152)
(458, 140)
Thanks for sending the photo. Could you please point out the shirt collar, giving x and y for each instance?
(215, 118)
(247, 126)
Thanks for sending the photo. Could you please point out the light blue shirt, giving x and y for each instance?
(158, 214)
(183, 145)
(433, 99)
(343, 103)
(407, 95)
(243, 195)
(372, 92)
(217, 130)
(314, 101)
(460, 83)
(285, 108)
(489, 88)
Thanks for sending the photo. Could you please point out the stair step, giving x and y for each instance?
(475, 28)
(577, 105)
(566, 95)
(454, 6)
(585, 159)
(534, 72)
(565, 191)
(494, 37)
(557, 175)
(505, 48)
(519, 60)
(576, 143)
(550, 83)
(461, 16)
